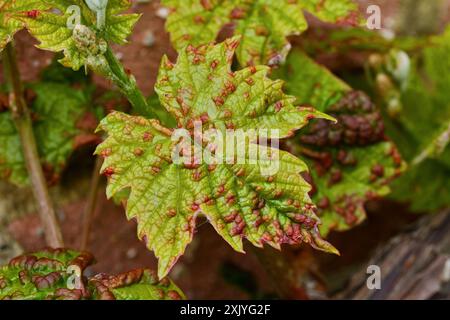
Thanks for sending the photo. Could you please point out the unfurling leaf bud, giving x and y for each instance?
(398, 64)
(87, 42)
(91, 47)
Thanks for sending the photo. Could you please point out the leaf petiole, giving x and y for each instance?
(127, 84)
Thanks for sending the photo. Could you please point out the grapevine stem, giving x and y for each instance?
(22, 119)
(92, 201)
(127, 84)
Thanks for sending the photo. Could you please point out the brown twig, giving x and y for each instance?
(22, 119)
(92, 201)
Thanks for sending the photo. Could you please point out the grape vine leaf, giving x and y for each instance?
(351, 161)
(166, 118)
(342, 42)
(55, 111)
(58, 274)
(9, 25)
(263, 24)
(43, 275)
(422, 129)
(79, 43)
(139, 284)
(237, 199)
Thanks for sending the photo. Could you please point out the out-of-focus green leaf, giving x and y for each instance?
(139, 284)
(58, 274)
(421, 126)
(44, 275)
(347, 41)
(263, 24)
(55, 112)
(351, 161)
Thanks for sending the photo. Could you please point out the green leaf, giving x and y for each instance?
(9, 9)
(52, 32)
(421, 128)
(237, 198)
(166, 118)
(201, 86)
(43, 275)
(139, 284)
(84, 45)
(346, 41)
(58, 274)
(351, 161)
(119, 26)
(332, 10)
(55, 111)
(263, 24)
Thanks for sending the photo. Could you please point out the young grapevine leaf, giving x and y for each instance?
(81, 43)
(55, 111)
(238, 200)
(58, 274)
(139, 284)
(263, 24)
(166, 118)
(351, 161)
(43, 275)
(9, 9)
(421, 125)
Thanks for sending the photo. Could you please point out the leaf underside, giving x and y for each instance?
(237, 198)
(351, 161)
(263, 24)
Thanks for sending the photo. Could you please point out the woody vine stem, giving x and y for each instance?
(22, 119)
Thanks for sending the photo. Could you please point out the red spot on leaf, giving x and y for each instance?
(278, 106)
(147, 136)
(238, 13)
(214, 64)
(194, 206)
(33, 14)
(206, 4)
(198, 19)
(218, 101)
(109, 171)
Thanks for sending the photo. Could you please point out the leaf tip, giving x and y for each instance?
(320, 244)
